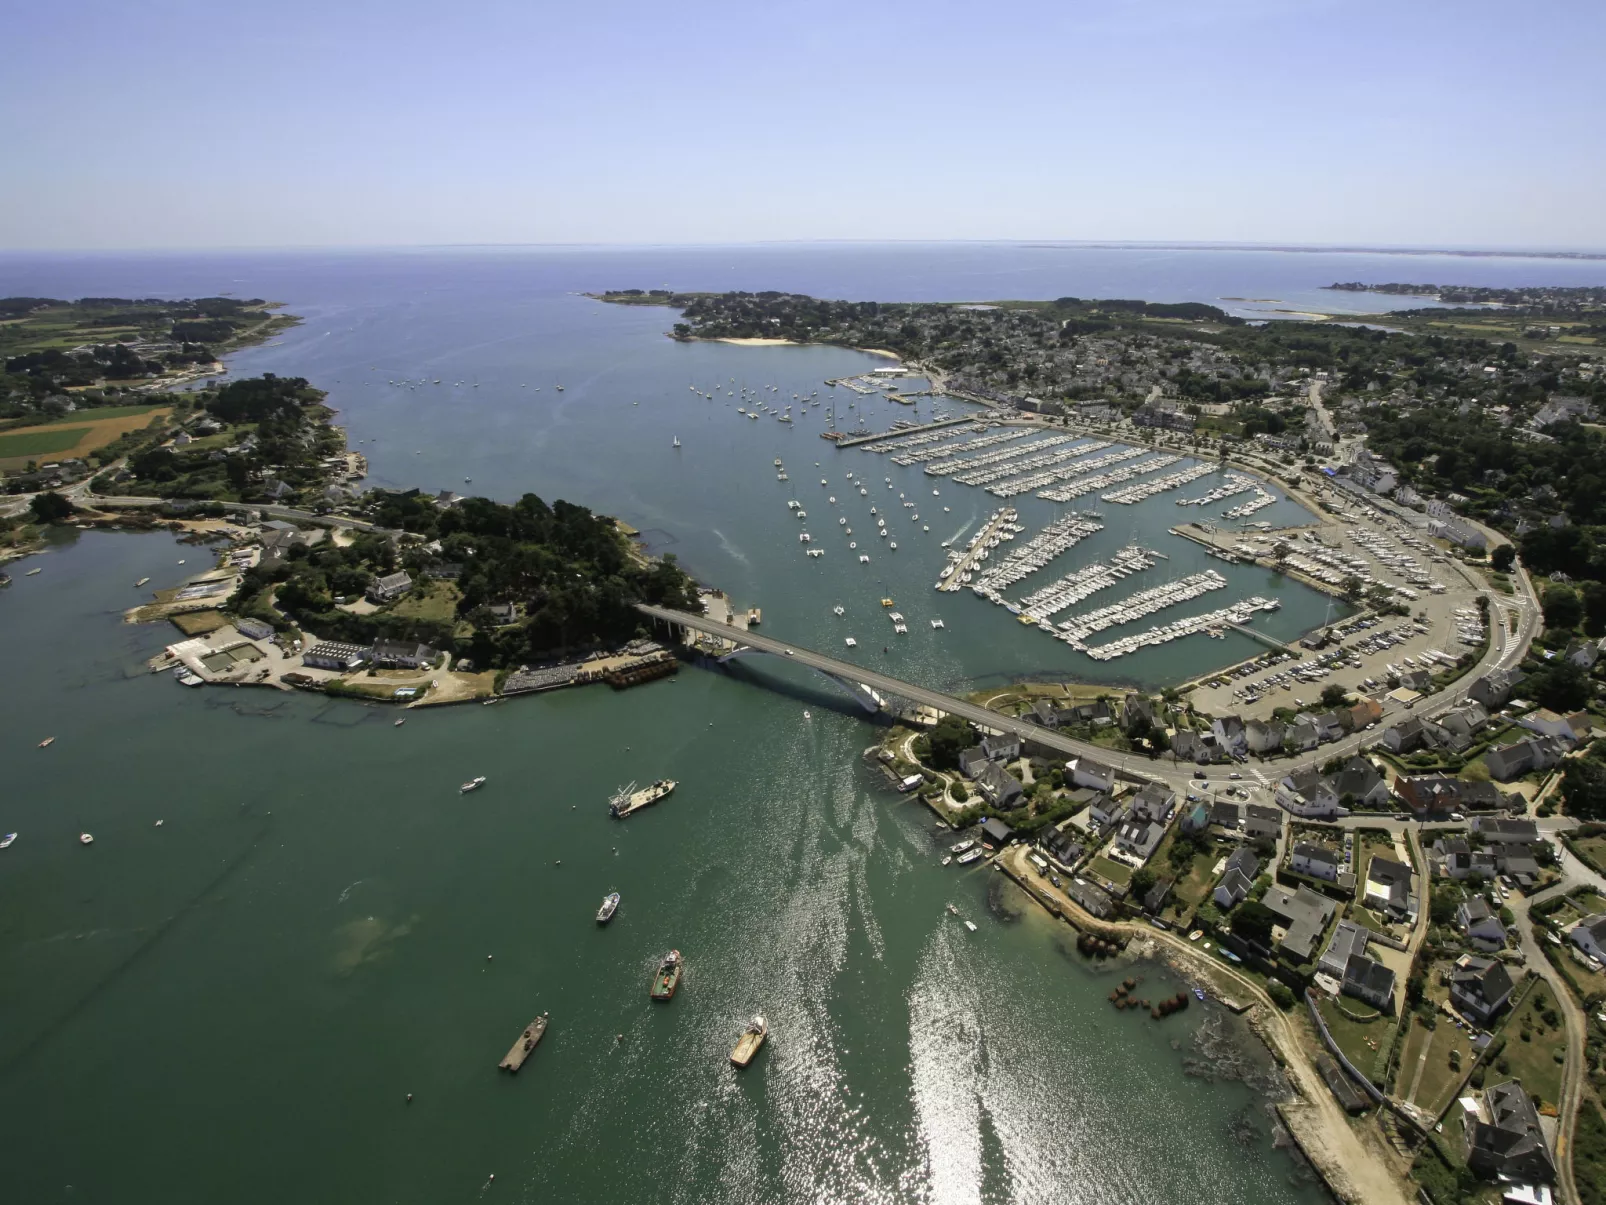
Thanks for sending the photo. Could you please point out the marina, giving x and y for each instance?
(1083, 583)
(1239, 613)
(1076, 630)
(1076, 487)
(1160, 485)
(999, 526)
(1038, 459)
(1059, 536)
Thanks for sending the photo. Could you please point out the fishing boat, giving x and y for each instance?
(965, 859)
(47, 742)
(86, 838)
(748, 1044)
(472, 784)
(627, 800)
(667, 978)
(610, 905)
(7, 841)
(962, 847)
(528, 1040)
(947, 858)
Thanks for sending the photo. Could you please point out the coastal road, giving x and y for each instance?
(1576, 1024)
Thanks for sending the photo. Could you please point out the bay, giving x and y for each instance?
(235, 1005)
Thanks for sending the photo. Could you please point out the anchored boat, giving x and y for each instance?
(610, 905)
(472, 784)
(627, 799)
(667, 979)
(748, 1044)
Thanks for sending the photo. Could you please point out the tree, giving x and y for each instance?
(1333, 695)
(1502, 558)
(1561, 687)
(948, 739)
(1593, 595)
(1142, 883)
(49, 507)
(1280, 994)
(1254, 920)
(1563, 608)
(1583, 789)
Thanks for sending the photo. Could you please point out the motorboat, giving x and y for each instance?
(472, 784)
(86, 838)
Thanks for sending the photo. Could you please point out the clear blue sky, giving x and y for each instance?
(175, 123)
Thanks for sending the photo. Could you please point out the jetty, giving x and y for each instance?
(1000, 525)
(1085, 582)
(527, 1041)
(1140, 606)
(1236, 614)
(1062, 534)
(1078, 486)
(1262, 499)
(1160, 485)
(1235, 484)
(962, 464)
(1034, 456)
(876, 437)
(949, 445)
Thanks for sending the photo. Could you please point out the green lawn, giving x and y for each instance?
(1365, 1044)
(1592, 847)
(1364, 918)
(1115, 872)
(438, 603)
(95, 415)
(1439, 1080)
(1533, 1062)
(1192, 888)
(41, 443)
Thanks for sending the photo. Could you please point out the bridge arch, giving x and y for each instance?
(867, 698)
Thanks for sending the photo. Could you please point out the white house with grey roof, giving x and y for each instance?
(1589, 935)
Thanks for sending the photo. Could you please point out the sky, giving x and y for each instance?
(175, 124)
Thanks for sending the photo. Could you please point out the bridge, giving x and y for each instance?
(856, 676)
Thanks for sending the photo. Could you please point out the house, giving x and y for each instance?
(1589, 935)
(1187, 745)
(1500, 829)
(1360, 781)
(403, 654)
(1388, 887)
(1504, 1139)
(1583, 653)
(1317, 861)
(1154, 803)
(1437, 793)
(1480, 926)
(1404, 736)
(1102, 809)
(1329, 725)
(1303, 735)
(1004, 748)
(445, 570)
(1196, 819)
(1518, 758)
(1349, 939)
(1369, 980)
(1228, 815)
(1568, 728)
(996, 832)
(276, 491)
(253, 629)
(1367, 711)
(1089, 898)
(390, 587)
(331, 654)
(1419, 680)
(1230, 735)
(1085, 772)
(1061, 846)
(1262, 821)
(1479, 987)
(1303, 914)
(1463, 723)
(1138, 837)
(1002, 789)
(1348, 1095)
(1045, 713)
(1137, 711)
(1455, 855)
(1264, 736)
(1493, 689)
(971, 761)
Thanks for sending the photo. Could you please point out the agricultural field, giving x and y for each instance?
(74, 437)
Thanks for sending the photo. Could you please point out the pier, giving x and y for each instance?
(877, 437)
(911, 451)
(1077, 486)
(1139, 606)
(999, 526)
(1062, 534)
(1148, 489)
